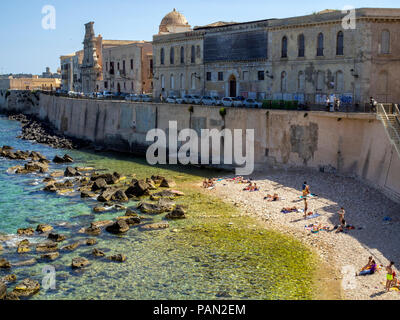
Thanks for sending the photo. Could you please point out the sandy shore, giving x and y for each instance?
(365, 209)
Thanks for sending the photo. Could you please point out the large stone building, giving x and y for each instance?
(87, 71)
(128, 68)
(33, 83)
(302, 58)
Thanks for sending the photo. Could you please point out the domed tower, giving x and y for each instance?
(174, 22)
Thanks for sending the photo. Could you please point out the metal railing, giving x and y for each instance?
(392, 129)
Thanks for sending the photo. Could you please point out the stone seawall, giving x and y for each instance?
(350, 144)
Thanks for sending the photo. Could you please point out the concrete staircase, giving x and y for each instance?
(390, 116)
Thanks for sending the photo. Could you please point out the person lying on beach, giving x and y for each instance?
(251, 187)
(208, 183)
(342, 226)
(293, 209)
(370, 268)
(389, 275)
(275, 197)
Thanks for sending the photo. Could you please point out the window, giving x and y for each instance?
(182, 55)
(301, 81)
(198, 51)
(245, 76)
(111, 67)
(123, 66)
(106, 66)
(284, 47)
(300, 44)
(172, 82)
(283, 81)
(339, 44)
(320, 45)
(118, 66)
(182, 82)
(320, 80)
(162, 82)
(132, 87)
(208, 76)
(385, 42)
(193, 57)
(339, 85)
(193, 80)
(261, 75)
(162, 56)
(172, 56)
(105, 85)
(131, 64)
(220, 76)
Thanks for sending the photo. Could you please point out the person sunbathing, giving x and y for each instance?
(293, 209)
(269, 197)
(370, 268)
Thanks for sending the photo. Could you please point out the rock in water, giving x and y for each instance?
(78, 263)
(106, 195)
(91, 242)
(47, 247)
(23, 247)
(167, 183)
(139, 189)
(131, 221)
(98, 253)
(177, 213)
(118, 227)
(4, 264)
(150, 208)
(57, 237)
(71, 247)
(119, 196)
(118, 258)
(156, 226)
(50, 256)
(3, 290)
(99, 184)
(27, 288)
(70, 172)
(43, 228)
(26, 232)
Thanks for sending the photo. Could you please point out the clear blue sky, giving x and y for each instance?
(27, 47)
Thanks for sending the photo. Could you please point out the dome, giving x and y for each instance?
(172, 21)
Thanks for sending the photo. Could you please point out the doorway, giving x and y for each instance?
(232, 86)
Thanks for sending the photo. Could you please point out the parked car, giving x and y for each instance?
(71, 94)
(97, 95)
(252, 103)
(241, 99)
(179, 100)
(188, 98)
(218, 101)
(196, 99)
(208, 101)
(108, 94)
(145, 98)
(227, 102)
(131, 97)
(237, 102)
(171, 99)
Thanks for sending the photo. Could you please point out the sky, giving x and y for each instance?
(29, 48)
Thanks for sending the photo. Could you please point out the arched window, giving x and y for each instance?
(301, 46)
(193, 81)
(320, 81)
(284, 47)
(283, 81)
(301, 82)
(182, 55)
(385, 42)
(162, 82)
(320, 45)
(339, 44)
(339, 83)
(193, 55)
(162, 56)
(172, 82)
(172, 56)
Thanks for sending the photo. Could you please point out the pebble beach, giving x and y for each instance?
(375, 219)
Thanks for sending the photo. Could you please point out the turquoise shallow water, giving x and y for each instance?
(227, 257)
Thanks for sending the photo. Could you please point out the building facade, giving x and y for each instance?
(71, 79)
(128, 68)
(34, 83)
(303, 58)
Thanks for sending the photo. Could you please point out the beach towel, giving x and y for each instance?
(315, 215)
(308, 196)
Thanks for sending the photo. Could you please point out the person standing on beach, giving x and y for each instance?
(305, 207)
(389, 275)
(306, 189)
(341, 213)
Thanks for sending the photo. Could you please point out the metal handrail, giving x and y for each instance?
(390, 130)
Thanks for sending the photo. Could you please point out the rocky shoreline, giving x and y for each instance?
(111, 191)
(33, 129)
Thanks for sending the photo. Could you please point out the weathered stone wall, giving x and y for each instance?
(349, 144)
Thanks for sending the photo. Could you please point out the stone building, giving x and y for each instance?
(302, 58)
(71, 71)
(128, 68)
(33, 83)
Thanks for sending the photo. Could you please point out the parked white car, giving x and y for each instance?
(251, 103)
(208, 101)
(171, 99)
(71, 94)
(227, 102)
(218, 101)
(97, 95)
(145, 98)
(196, 100)
(188, 98)
(108, 94)
(179, 100)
